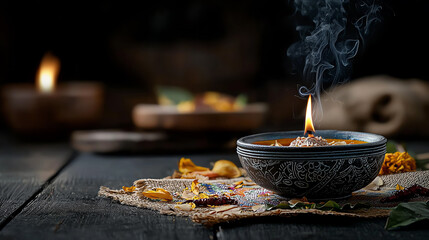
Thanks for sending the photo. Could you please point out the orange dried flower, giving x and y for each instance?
(186, 166)
(397, 163)
(129, 189)
(159, 193)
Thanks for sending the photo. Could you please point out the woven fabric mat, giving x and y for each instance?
(255, 196)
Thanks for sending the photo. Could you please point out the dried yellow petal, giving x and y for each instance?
(195, 187)
(203, 195)
(225, 168)
(129, 189)
(186, 166)
(159, 193)
(399, 187)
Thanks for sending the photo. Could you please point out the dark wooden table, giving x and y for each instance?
(48, 191)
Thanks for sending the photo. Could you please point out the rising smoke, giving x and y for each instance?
(331, 32)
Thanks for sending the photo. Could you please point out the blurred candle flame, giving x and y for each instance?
(47, 74)
(309, 127)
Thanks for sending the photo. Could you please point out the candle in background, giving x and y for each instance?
(48, 73)
(49, 109)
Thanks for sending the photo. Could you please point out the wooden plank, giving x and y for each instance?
(315, 227)
(24, 169)
(70, 207)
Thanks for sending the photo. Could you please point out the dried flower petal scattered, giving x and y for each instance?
(129, 189)
(225, 168)
(195, 187)
(186, 166)
(221, 169)
(159, 193)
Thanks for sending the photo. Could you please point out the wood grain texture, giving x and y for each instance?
(24, 168)
(69, 208)
(315, 227)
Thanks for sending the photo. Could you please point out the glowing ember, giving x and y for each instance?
(47, 75)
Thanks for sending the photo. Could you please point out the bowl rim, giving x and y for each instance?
(312, 155)
(246, 142)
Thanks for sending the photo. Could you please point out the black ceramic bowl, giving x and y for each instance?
(315, 172)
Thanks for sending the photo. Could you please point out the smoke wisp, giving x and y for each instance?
(331, 32)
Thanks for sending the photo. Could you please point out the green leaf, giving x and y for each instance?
(330, 205)
(269, 207)
(391, 146)
(240, 100)
(422, 165)
(301, 205)
(174, 95)
(407, 213)
(281, 205)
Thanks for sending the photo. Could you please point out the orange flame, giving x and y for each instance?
(309, 127)
(47, 74)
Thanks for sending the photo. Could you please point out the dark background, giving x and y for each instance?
(229, 46)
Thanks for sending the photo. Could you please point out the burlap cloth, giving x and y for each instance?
(247, 199)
